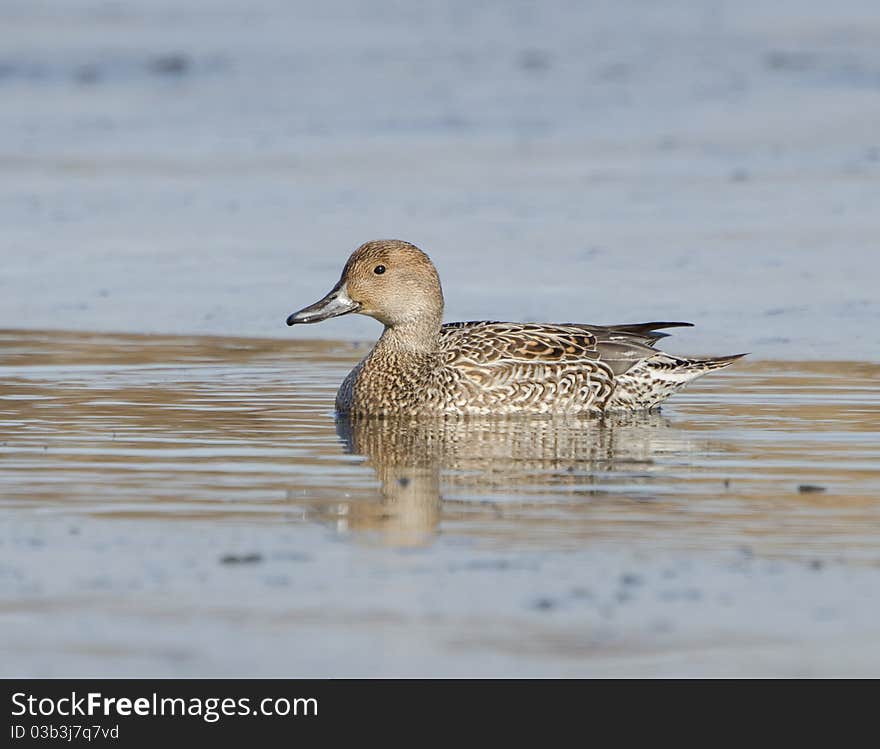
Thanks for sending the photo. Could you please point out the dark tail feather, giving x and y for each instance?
(649, 329)
(715, 362)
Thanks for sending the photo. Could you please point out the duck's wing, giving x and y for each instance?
(614, 349)
(649, 332)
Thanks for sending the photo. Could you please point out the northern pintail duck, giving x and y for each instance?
(419, 366)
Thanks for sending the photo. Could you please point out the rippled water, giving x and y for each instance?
(781, 457)
(175, 506)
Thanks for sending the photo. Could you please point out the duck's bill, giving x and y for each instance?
(336, 303)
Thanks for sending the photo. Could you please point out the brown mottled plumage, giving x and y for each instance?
(421, 367)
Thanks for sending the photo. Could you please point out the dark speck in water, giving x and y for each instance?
(589, 253)
(794, 61)
(810, 489)
(88, 74)
(773, 340)
(534, 60)
(241, 558)
(544, 604)
(174, 64)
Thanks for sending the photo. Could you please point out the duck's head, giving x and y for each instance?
(389, 279)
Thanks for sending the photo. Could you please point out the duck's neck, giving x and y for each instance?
(417, 337)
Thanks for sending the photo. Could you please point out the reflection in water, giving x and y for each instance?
(234, 430)
(490, 458)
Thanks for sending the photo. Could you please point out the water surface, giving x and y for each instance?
(183, 506)
(207, 167)
(784, 456)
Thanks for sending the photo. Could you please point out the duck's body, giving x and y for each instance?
(506, 368)
(420, 367)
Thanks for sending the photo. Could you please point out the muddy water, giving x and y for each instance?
(222, 428)
(135, 466)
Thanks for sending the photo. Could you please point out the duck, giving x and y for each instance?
(423, 367)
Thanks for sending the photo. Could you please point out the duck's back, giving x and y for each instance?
(489, 367)
(569, 368)
(498, 367)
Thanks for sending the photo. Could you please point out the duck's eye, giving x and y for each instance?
(379, 270)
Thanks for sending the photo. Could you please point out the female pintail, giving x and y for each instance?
(419, 366)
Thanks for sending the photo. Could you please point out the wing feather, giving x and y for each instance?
(490, 343)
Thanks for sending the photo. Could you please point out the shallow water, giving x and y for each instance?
(220, 429)
(177, 506)
(190, 506)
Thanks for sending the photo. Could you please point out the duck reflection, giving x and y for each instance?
(499, 463)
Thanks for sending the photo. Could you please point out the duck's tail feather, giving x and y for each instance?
(669, 368)
(649, 329)
(655, 378)
(712, 363)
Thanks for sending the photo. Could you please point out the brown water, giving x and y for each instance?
(162, 487)
(220, 429)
